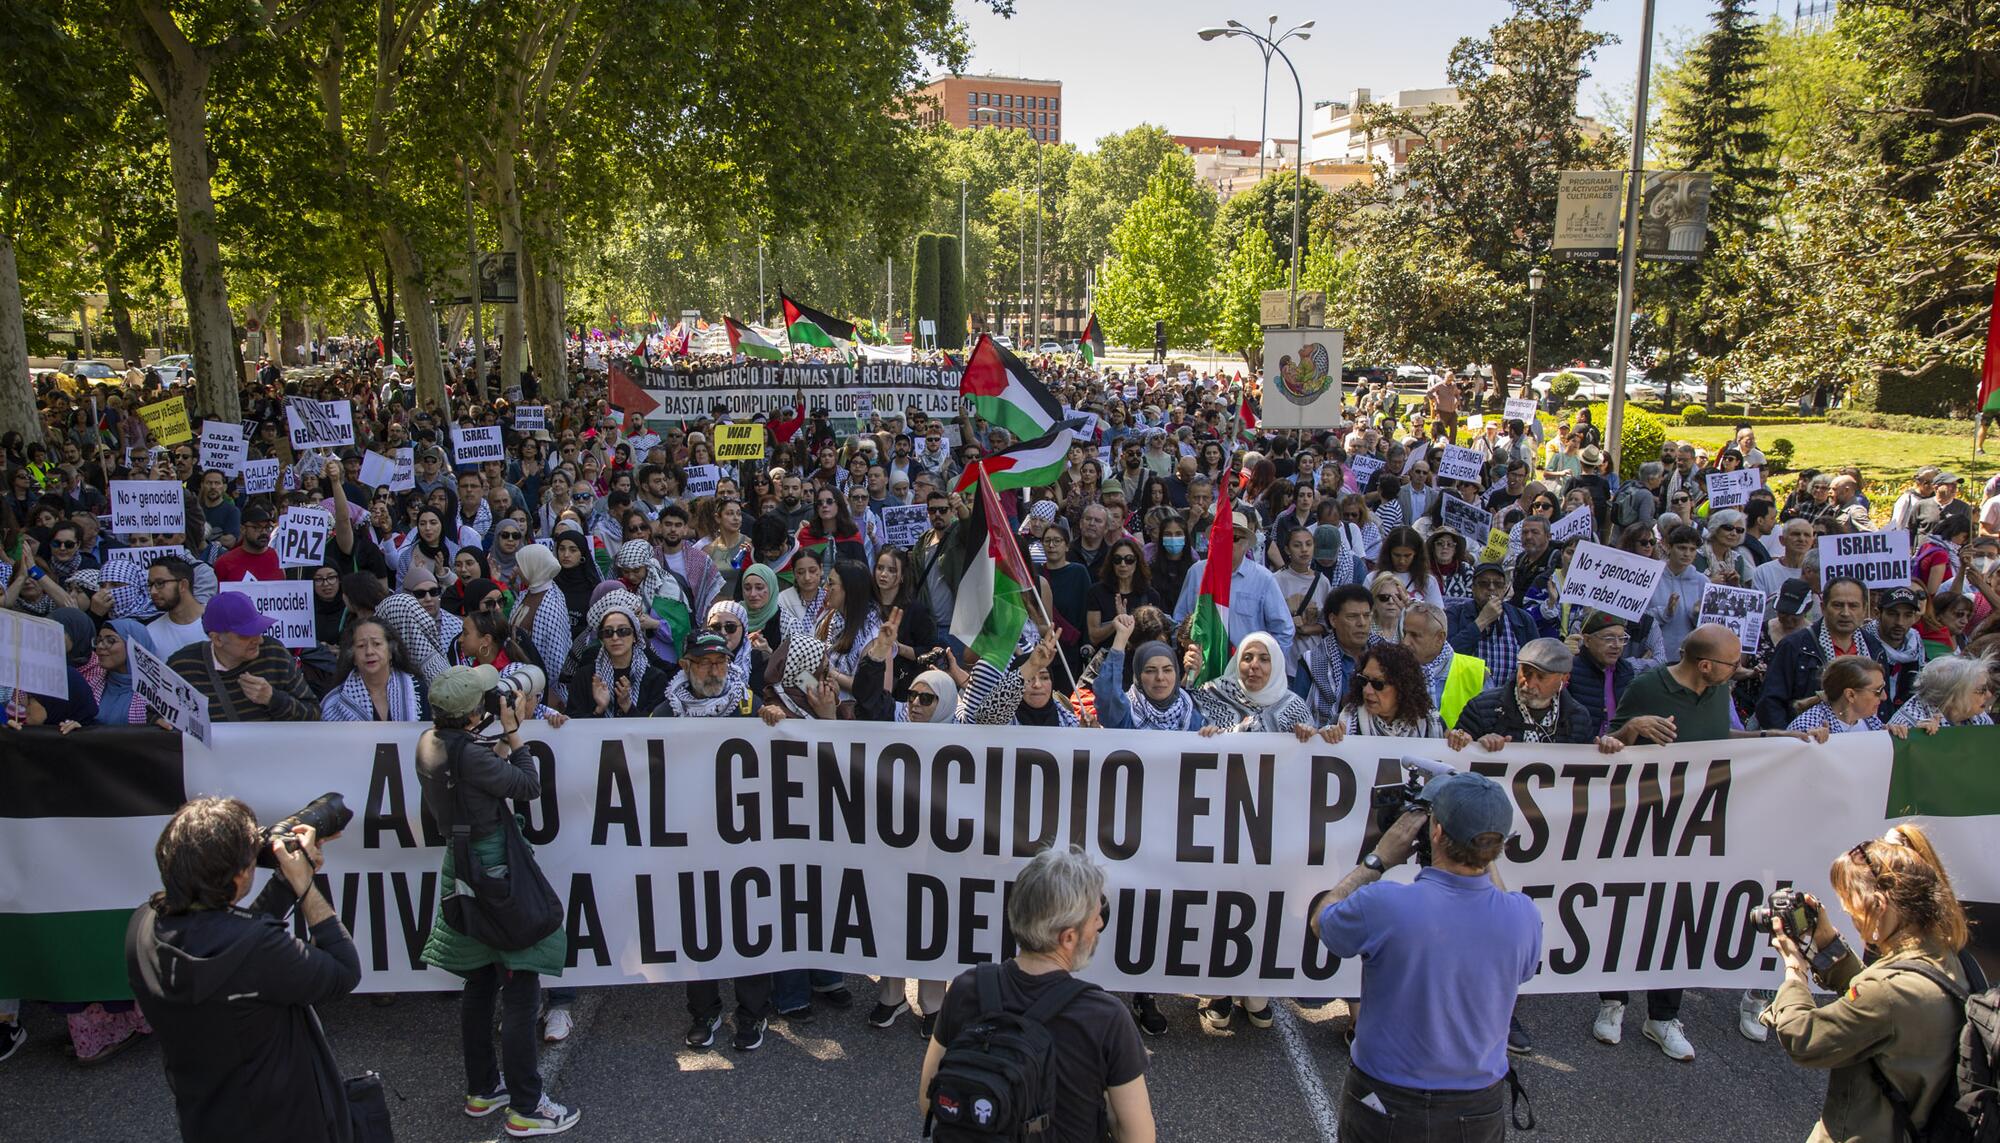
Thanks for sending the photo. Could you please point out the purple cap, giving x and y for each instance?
(232, 611)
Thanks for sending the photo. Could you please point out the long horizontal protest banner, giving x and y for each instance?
(761, 387)
(715, 847)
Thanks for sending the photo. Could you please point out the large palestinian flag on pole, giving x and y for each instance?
(1092, 342)
(1035, 464)
(807, 326)
(1989, 373)
(750, 343)
(1005, 392)
(1210, 630)
(991, 607)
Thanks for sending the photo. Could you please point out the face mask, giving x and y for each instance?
(1986, 564)
(1174, 545)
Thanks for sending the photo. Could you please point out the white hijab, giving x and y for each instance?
(1275, 690)
(945, 709)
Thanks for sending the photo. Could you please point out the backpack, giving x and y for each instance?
(997, 1079)
(1968, 1110)
(1625, 512)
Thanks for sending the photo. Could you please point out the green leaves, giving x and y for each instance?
(1253, 268)
(1163, 262)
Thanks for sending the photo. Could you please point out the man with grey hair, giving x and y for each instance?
(1723, 559)
(1795, 541)
(1057, 912)
(1451, 676)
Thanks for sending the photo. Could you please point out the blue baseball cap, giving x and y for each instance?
(1466, 805)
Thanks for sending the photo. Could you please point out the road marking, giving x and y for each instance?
(1306, 1071)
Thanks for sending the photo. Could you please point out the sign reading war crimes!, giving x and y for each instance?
(1878, 559)
(712, 848)
(739, 442)
(750, 388)
(1607, 579)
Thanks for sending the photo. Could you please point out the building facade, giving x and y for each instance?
(998, 101)
(1229, 165)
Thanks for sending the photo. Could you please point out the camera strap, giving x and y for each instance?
(1518, 1102)
(221, 688)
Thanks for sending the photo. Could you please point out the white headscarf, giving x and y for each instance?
(1274, 691)
(946, 706)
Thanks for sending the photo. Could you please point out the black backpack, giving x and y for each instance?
(1968, 1110)
(997, 1079)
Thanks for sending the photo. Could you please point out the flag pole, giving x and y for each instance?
(1043, 620)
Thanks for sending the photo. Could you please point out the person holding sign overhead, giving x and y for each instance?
(246, 674)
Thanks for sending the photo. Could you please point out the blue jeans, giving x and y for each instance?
(792, 989)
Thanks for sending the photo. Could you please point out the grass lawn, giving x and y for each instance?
(1885, 458)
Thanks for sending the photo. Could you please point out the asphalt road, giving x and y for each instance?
(836, 1078)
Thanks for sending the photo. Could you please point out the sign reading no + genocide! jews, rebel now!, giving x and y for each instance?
(1607, 579)
(151, 506)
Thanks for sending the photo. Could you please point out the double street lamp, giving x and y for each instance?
(1269, 47)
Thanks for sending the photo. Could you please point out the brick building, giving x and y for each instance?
(1001, 101)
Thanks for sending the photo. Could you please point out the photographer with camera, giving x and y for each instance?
(1890, 1036)
(1430, 1048)
(229, 990)
(466, 786)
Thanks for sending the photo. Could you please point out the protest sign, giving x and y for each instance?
(708, 848)
(1520, 409)
(289, 601)
(260, 476)
(531, 418)
(1495, 550)
(167, 421)
(864, 405)
(1731, 489)
(701, 480)
(403, 476)
(742, 391)
(1609, 580)
(151, 506)
(1468, 520)
(739, 442)
(1578, 522)
(476, 446)
(223, 448)
(302, 537)
(1302, 378)
(170, 696)
(127, 566)
(1415, 458)
(376, 469)
(32, 657)
(1460, 463)
(319, 424)
(905, 524)
(1878, 559)
(1364, 469)
(1741, 609)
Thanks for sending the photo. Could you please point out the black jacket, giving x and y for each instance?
(487, 779)
(1794, 671)
(1494, 711)
(229, 992)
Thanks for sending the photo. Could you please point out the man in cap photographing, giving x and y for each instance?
(1430, 1049)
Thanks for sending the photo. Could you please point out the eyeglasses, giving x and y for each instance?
(1375, 684)
(512, 534)
(615, 633)
(62, 544)
(425, 592)
(923, 698)
(1124, 560)
(1732, 664)
(158, 583)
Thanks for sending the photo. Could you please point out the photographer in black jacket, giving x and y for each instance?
(229, 990)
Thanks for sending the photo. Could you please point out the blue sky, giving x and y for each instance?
(1124, 62)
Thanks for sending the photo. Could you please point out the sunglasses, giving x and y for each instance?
(62, 544)
(512, 534)
(728, 628)
(1124, 560)
(1375, 684)
(922, 697)
(426, 592)
(1389, 598)
(615, 633)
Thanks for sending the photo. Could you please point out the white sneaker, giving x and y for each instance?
(557, 1026)
(550, 1118)
(1672, 1040)
(1749, 1011)
(1610, 1025)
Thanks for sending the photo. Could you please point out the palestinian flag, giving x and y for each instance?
(1247, 415)
(990, 611)
(626, 395)
(750, 343)
(1211, 610)
(1092, 342)
(1035, 464)
(1989, 373)
(807, 326)
(1005, 392)
(676, 620)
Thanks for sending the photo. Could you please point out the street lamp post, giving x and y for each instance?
(1535, 280)
(1233, 28)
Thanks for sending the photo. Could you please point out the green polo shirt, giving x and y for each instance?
(1700, 717)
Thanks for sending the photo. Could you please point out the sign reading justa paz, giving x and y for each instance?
(1878, 559)
(302, 537)
(1607, 579)
(711, 848)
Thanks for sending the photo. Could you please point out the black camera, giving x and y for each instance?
(1794, 913)
(1392, 801)
(327, 815)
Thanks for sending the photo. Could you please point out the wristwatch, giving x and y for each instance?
(1374, 861)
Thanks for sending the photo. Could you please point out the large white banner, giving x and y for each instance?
(715, 847)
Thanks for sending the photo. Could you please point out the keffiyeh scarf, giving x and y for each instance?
(1911, 650)
(1538, 727)
(1148, 716)
(685, 703)
(354, 705)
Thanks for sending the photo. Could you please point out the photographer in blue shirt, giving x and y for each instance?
(1442, 958)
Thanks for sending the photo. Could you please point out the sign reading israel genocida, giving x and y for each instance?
(707, 848)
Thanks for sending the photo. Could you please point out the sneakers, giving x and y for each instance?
(12, 1036)
(885, 1014)
(481, 1106)
(1610, 1025)
(749, 1037)
(837, 995)
(1749, 1013)
(1518, 1043)
(928, 1025)
(1146, 1010)
(1258, 1017)
(701, 1033)
(557, 1025)
(550, 1118)
(1672, 1040)
(803, 1014)
(1216, 1013)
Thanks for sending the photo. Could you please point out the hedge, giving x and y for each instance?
(1698, 415)
(1900, 423)
(1642, 436)
(1945, 387)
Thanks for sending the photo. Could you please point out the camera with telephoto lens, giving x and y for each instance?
(1392, 801)
(522, 678)
(1793, 912)
(327, 815)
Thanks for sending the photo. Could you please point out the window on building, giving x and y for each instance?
(972, 99)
